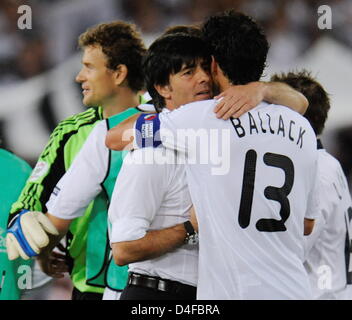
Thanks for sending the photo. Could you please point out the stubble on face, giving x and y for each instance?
(95, 78)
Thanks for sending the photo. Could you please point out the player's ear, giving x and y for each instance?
(120, 74)
(164, 91)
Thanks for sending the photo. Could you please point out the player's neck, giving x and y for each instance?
(120, 103)
(223, 82)
(170, 105)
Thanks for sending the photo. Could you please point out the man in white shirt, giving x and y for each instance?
(253, 199)
(153, 174)
(329, 246)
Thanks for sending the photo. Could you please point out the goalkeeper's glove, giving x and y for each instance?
(28, 234)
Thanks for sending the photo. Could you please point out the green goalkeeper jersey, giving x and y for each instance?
(13, 175)
(64, 144)
(58, 155)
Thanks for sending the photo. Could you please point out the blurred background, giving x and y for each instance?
(38, 66)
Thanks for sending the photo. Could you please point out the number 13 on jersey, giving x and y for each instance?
(278, 194)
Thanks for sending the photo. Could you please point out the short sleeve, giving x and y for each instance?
(81, 183)
(137, 196)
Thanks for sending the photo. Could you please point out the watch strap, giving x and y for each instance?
(189, 228)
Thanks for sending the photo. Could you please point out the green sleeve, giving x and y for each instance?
(64, 143)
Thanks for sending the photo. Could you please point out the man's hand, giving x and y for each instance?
(53, 263)
(240, 99)
(28, 234)
(237, 100)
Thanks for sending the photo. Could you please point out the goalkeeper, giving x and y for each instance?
(111, 79)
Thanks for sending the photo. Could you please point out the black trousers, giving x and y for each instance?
(137, 292)
(78, 295)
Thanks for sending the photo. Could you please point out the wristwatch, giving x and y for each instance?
(191, 234)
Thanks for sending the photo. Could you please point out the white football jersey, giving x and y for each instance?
(329, 245)
(251, 181)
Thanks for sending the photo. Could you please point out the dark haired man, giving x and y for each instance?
(111, 77)
(328, 256)
(251, 217)
(161, 266)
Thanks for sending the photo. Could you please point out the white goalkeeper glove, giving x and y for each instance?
(28, 234)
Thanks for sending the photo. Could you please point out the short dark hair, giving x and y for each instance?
(238, 45)
(193, 30)
(122, 44)
(318, 98)
(166, 56)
